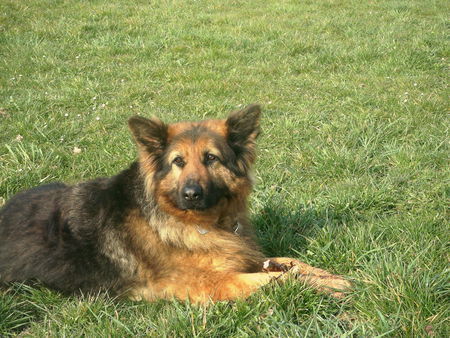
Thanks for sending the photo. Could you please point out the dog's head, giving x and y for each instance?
(198, 167)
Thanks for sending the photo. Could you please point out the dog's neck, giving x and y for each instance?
(175, 231)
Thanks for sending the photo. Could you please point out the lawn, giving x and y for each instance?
(352, 174)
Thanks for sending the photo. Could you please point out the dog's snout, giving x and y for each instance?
(193, 192)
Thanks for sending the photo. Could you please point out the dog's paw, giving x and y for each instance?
(335, 285)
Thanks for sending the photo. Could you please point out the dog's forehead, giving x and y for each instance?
(196, 129)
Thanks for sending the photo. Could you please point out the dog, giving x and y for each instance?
(173, 225)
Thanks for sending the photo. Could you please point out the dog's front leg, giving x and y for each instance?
(206, 286)
(317, 278)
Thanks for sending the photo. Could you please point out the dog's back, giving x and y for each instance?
(54, 234)
(30, 228)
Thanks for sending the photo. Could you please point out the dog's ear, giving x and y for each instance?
(242, 130)
(243, 125)
(151, 134)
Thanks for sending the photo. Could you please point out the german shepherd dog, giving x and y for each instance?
(174, 224)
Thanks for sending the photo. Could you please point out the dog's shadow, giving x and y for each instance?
(285, 232)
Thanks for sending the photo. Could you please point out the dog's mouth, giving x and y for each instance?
(194, 199)
(198, 206)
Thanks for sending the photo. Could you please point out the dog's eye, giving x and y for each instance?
(211, 158)
(178, 161)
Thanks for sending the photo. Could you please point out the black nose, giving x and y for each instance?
(192, 192)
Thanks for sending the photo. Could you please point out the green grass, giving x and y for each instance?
(352, 174)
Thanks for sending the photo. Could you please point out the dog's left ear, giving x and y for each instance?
(243, 125)
(242, 130)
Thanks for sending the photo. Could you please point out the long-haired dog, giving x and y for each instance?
(174, 224)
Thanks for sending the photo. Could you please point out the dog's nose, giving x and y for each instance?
(192, 192)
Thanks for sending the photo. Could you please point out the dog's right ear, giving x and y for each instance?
(151, 134)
